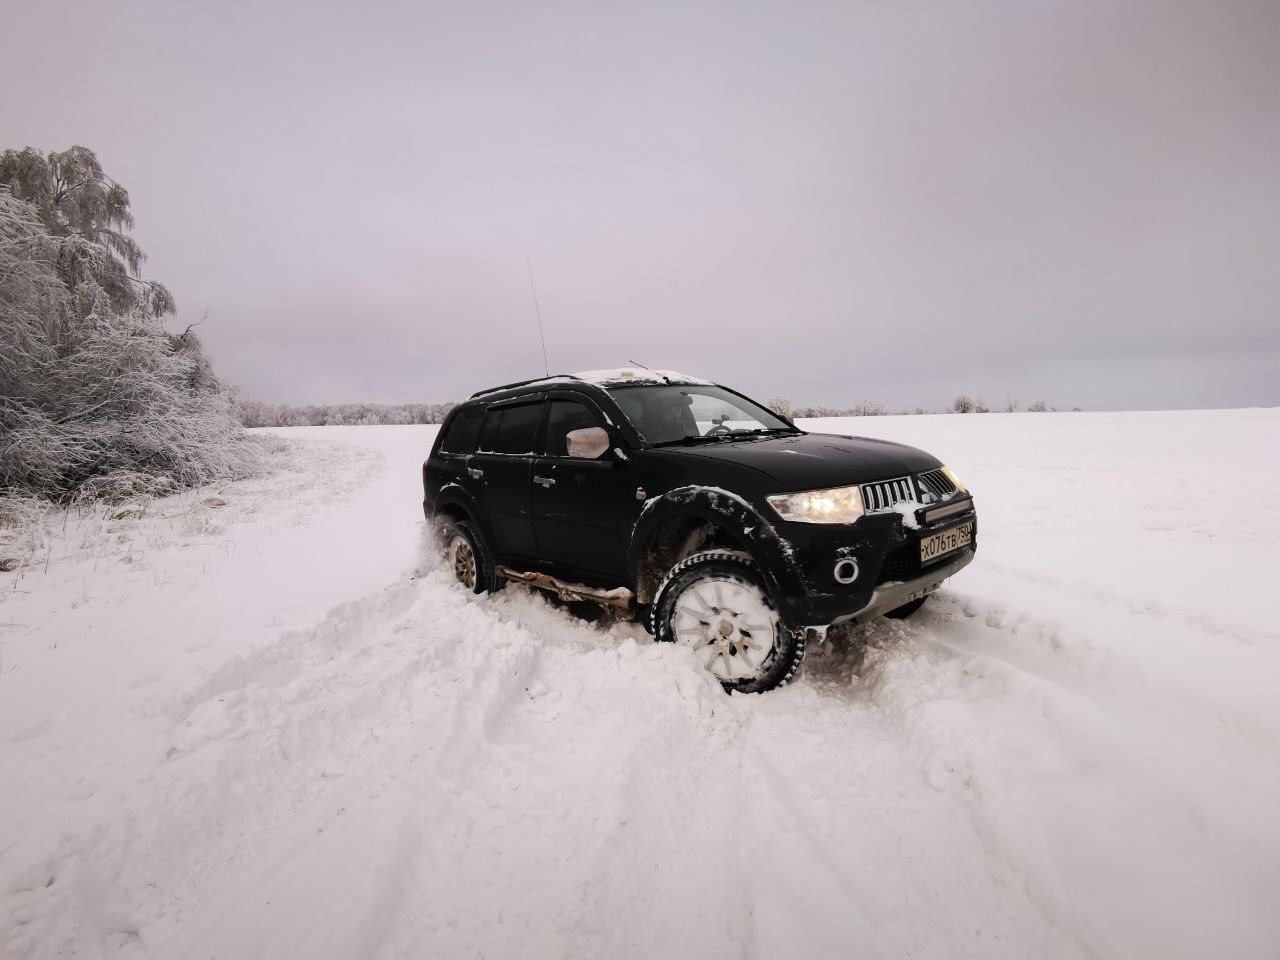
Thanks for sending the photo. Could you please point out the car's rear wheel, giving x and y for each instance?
(467, 556)
(715, 603)
(907, 609)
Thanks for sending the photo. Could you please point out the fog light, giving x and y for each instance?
(845, 570)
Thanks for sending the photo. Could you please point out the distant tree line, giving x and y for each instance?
(872, 408)
(255, 413)
(967, 404)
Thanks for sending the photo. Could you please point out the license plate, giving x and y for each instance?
(937, 544)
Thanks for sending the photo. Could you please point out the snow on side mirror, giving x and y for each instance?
(588, 443)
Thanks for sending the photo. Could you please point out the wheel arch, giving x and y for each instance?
(454, 502)
(688, 519)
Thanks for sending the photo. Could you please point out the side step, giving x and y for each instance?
(617, 597)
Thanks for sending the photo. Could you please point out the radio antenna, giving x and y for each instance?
(537, 309)
(643, 367)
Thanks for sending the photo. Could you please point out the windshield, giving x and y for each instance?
(677, 412)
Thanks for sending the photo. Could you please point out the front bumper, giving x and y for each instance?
(818, 610)
(888, 557)
(890, 596)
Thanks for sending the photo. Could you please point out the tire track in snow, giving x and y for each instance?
(1213, 625)
(1107, 658)
(902, 876)
(602, 814)
(456, 691)
(639, 830)
(1133, 655)
(280, 745)
(1073, 783)
(376, 761)
(810, 779)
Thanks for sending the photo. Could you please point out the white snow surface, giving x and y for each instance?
(272, 729)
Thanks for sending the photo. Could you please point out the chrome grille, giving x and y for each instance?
(884, 494)
(937, 483)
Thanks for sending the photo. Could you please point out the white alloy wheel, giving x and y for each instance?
(463, 559)
(729, 624)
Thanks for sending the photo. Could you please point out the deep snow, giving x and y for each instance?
(265, 729)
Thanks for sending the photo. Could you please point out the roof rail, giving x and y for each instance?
(523, 383)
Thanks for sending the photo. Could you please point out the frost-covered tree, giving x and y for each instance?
(963, 404)
(76, 199)
(96, 400)
(33, 299)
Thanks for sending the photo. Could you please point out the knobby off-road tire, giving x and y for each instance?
(907, 609)
(716, 603)
(467, 556)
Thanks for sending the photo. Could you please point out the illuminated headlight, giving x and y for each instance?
(834, 505)
(951, 475)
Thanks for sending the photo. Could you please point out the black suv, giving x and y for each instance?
(721, 524)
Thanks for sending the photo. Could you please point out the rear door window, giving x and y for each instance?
(511, 429)
(463, 431)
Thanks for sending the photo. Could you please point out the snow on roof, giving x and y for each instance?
(611, 377)
(554, 379)
(637, 375)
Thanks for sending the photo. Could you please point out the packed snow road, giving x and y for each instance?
(268, 728)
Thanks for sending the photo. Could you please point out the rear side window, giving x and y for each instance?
(463, 431)
(511, 429)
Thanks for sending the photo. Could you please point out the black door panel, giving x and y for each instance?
(501, 484)
(499, 473)
(580, 507)
(578, 513)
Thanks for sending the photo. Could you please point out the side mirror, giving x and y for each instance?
(588, 443)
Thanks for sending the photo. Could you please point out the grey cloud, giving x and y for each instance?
(1075, 202)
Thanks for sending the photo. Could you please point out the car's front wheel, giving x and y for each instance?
(715, 603)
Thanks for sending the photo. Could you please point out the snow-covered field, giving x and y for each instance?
(266, 728)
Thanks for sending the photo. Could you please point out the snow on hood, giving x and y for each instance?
(637, 375)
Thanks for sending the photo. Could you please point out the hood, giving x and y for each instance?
(814, 460)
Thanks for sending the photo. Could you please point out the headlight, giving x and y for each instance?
(951, 475)
(834, 505)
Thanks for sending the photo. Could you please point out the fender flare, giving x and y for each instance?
(455, 495)
(729, 512)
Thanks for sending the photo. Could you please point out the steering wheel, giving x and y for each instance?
(719, 430)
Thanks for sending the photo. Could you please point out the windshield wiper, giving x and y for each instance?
(729, 437)
(695, 438)
(768, 431)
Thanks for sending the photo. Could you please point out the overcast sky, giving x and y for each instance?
(1076, 201)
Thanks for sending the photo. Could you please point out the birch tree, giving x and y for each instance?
(97, 398)
(74, 198)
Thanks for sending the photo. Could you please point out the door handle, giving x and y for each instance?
(475, 472)
(545, 481)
